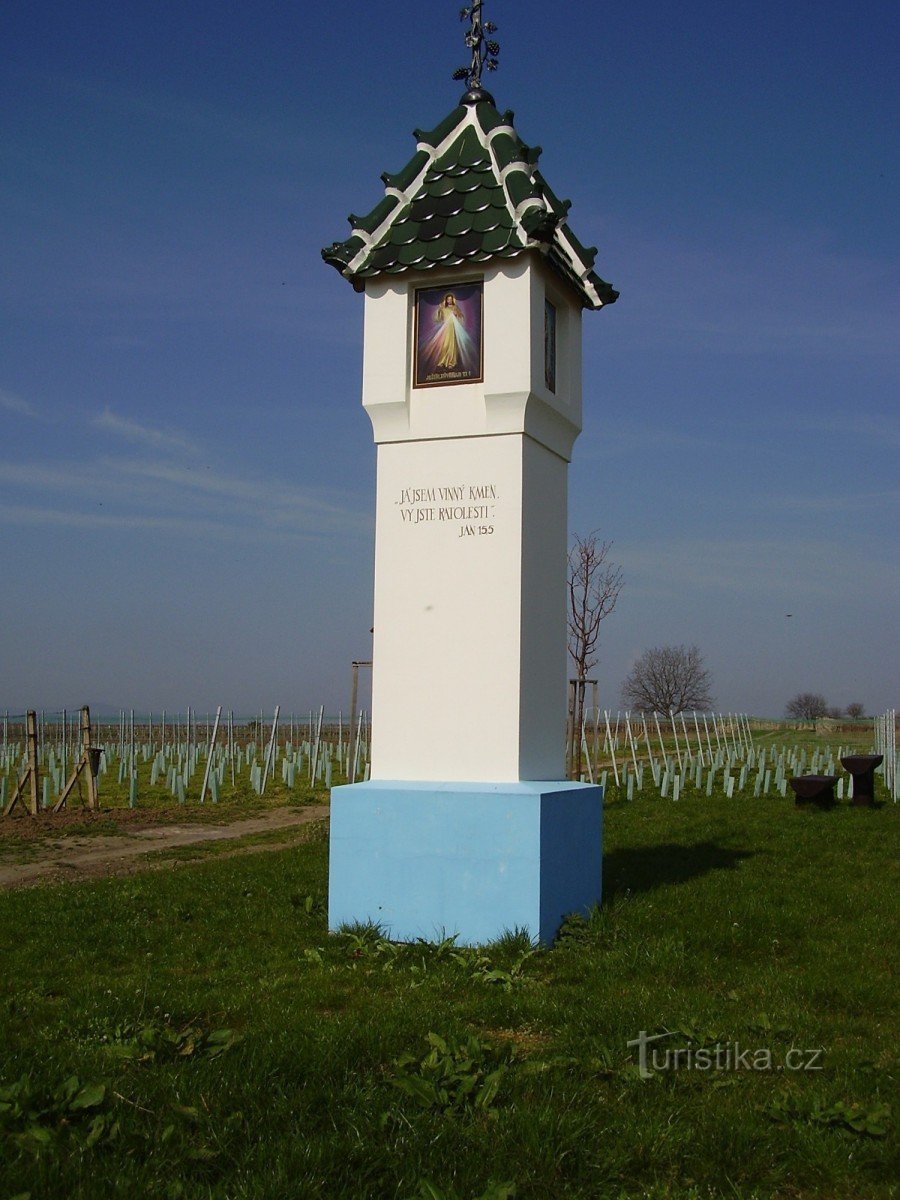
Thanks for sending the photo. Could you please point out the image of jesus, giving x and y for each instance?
(451, 326)
(448, 351)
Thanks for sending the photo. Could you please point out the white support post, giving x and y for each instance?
(687, 743)
(586, 754)
(269, 750)
(675, 735)
(716, 730)
(631, 741)
(355, 763)
(647, 740)
(662, 748)
(699, 740)
(209, 754)
(315, 752)
(612, 749)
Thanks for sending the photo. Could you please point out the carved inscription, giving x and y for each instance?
(468, 506)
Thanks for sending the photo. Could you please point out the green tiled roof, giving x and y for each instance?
(470, 193)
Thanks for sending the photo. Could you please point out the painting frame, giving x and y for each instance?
(448, 349)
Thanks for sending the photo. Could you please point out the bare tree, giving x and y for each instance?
(668, 678)
(856, 711)
(806, 706)
(594, 586)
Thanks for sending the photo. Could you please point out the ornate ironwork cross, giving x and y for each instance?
(485, 49)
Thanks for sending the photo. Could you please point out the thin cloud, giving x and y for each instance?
(204, 528)
(66, 478)
(764, 289)
(781, 569)
(882, 429)
(24, 514)
(194, 500)
(15, 404)
(142, 435)
(275, 502)
(837, 502)
(620, 439)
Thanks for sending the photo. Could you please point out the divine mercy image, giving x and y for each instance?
(448, 346)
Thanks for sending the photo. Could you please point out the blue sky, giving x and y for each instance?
(186, 474)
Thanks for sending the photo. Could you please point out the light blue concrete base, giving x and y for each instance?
(426, 860)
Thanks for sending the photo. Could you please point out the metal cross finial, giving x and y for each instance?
(484, 49)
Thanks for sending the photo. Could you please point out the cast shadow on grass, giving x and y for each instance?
(641, 869)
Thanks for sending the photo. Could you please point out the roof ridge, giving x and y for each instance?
(504, 170)
(447, 206)
(433, 152)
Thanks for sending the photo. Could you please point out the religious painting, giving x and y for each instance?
(448, 335)
(550, 345)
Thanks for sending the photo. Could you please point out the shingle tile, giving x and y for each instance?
(455, 208)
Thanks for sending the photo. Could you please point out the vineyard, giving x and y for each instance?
(182, 761)
(698, 753)
(186, 760)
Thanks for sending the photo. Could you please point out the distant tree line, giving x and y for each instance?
(810, 706)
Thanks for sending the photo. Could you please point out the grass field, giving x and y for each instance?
(195, 1032)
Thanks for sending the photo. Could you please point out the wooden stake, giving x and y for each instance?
(570, 731)
(32, 740)
(354, 695)
(30, 776)
(84, 767)
(231, 742)
(86, 754)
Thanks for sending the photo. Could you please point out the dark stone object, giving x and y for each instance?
(477, 95)
(862, 768)
(814, 789)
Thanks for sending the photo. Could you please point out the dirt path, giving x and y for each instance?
(77, 857)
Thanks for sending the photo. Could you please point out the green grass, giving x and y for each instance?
(235, 800)
(222, 1044)
(114, 816)
(266, 838)
(234, 803)
(100, 826)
